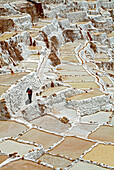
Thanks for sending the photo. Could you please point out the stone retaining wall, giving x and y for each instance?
(16, 95)
(90, 105)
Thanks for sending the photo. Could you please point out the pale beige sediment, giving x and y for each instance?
(55, 161)
(68, 58)
(70, 67)
(3, 158)
(34, 57)
(86, 166)
(73, 72)
(52, 90)
(106, 80)
(51, 124)
(3, 89)
(72, 147)
(83, 85)
(10, 146)
(28, 64)
(99, 117)
(6, 36)
(11, 129)
(101, 154)
(24, 165)
(11, 78)
(104, 133)
(35, 47)
(91, 94)
(41, 137)
(78, 79)
(81, 129)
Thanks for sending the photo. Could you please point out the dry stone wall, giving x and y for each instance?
(16, 96)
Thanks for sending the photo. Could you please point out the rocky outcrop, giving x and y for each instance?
(12, 50)
(54, 59)
(6, 24)
(35, 10)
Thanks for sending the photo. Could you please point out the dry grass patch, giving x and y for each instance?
(40, 137)
(101, 154)
(24, 165)
(51, 124)
(91, 94)
(10, 146)
(72, 147)
(55, 161)
(104, 133)
(11, 129)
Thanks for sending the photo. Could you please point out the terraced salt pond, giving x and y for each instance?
(24, 164)
(104, 133)
(11, 126)
(101, 153)
(41, 137)
(49, 123)
(56, 161)
(11, 78)
(86, 166)
(99, 117)
(52, 90)
(93, 93)
(10, 146)
(3, 89)
(72, 147)
(83, 85)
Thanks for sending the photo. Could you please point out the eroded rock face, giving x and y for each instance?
(35, 10)
(54, 59)
(12, 49)
(6, 24)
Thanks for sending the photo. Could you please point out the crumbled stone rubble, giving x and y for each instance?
(64, 49)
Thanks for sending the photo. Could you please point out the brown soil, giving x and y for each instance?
(101, 154)
(24, 165)
(3, 158)
(40, 137)
(7, 129)
(51, 124)
(72, 147)
(104, 133)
